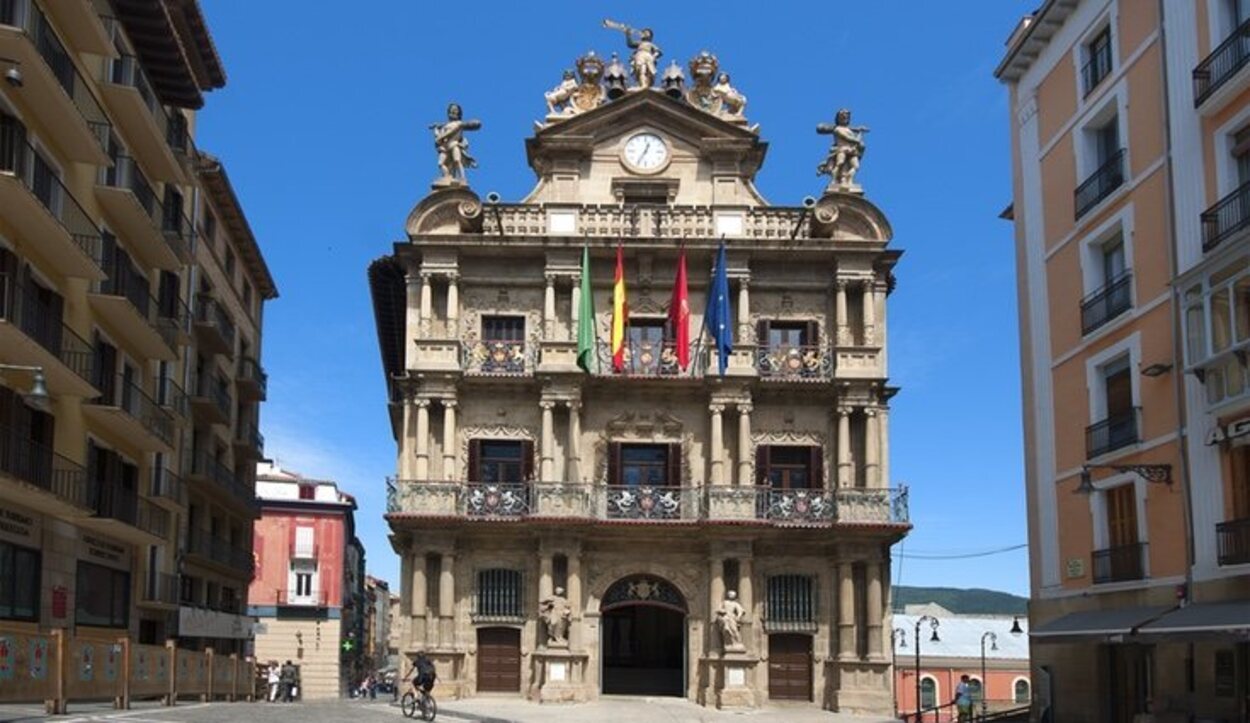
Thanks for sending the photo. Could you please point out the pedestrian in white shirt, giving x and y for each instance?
(273, 678)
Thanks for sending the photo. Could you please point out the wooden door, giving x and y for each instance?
(790, 667)
(1121, 516)
(498, 660)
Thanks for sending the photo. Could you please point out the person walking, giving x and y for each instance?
(963, 699)
(274, 678)
(287, 678)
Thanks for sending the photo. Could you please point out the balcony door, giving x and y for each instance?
(789, 467)
(644, 465)
(501, 461)
(1121, 516)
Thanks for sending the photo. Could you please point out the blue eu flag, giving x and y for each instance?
(718, 319)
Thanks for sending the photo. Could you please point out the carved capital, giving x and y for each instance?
(551, 277)
(840, 284)
(421, 403)
(547, 405)
(745, 408)
(426, 276)
(716, 409)
(449, 403)
(453, 277)
(870, 411)
(574, 405)
(842, 411)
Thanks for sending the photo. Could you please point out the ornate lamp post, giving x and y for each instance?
(993, 646)
(933, 623)
(898, 639)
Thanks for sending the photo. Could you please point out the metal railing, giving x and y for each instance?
(210, 313)
(209, 386)
(500, 596)
(37, 464)
(497, 357)
(20, 159)
(170, 396)
(1222, 64)
(314, 598)
(1100, 184)
(1226, 218)
(219, 550)
(616, 220)
(795, 505)
(179, 231)
(116, 503)
(1116, 431)
(128, 71)
(161, 587)
(496, 499)
(251, 370)
(790, 361)
(133, 286)
(42, 323)
(167, 485)
(25, 14)
(649, 359)
(1097, 68)
(646, 502)
(1234, 541)
(208, 467)
(790, 604)
(248, 434)
(1119, 564)
(129, 397)
(126, 174)
(1107, 303)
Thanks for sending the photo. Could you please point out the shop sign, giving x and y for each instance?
(19, 527)
(100, 550)
(1228, 432)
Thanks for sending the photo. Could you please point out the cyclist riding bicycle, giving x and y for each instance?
(424, 673)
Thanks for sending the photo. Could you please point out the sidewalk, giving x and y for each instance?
(625, 709)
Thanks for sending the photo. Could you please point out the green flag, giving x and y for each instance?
(587, 358)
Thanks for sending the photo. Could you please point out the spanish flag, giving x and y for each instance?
(620, 313)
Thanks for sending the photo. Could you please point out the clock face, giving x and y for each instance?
(646, 152)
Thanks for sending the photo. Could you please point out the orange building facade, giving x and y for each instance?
(1130, 225)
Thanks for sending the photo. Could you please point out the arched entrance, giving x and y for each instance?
(643, 637)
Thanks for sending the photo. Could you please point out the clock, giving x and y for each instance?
(645, 152)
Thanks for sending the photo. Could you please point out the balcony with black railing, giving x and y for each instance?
(1226, 219)
(52, 89)
(123, 513)
(650, 358)
(1118, 430)
(1222, 65)
(794, 362)
(127, 412)
(143, 120)
(179, 233)
(213, 326)
(248, 440)
(1107, 303)
(167, 488)
(160, 589)
(41, 211)
(170, 396)
(125, 301)
(252, 381)
(303, 598)
(218, 550)
(32, 333)
(214, 475)
(1101, 183)
(61, 485)
(1119, 564)
(1233, 538)
(1097, 68)
(210, 399)
(135, 212)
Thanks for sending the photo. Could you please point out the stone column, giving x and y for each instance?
(406, 442)
(844, 447)
(548, 441)
(716, 451)
(870, 314)
(549, 308)
(715, 592)
(453, 306)
(574, 472)
(420, 595)
(746, 586)
(846, 612)
(422, 470)
(545, 584)
(575, 315)
(843, 329)
(876, 610)
(883, 444)
(872, 452)
(744, 312)
(447, 600)
(427, 303)
(574, 592)
(412, 315)
(744, 446)
(449, 439)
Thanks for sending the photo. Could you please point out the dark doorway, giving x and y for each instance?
(789, 667)
(498, 660)
(643, 651)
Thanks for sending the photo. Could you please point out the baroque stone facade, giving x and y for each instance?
(649, 493)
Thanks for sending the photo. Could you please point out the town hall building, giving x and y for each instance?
(596, 495)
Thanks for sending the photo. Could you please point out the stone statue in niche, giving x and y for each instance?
(555, 613)
(842, 162)
(729, 619)
(453, 147)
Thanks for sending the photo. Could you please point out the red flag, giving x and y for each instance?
(679, 314)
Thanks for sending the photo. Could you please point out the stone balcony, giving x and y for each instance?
(518, 501)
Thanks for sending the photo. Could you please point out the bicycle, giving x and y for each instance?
(411, 704)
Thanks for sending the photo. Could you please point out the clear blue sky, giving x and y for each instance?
(322, 126)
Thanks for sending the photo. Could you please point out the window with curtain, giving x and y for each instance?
(928, 693)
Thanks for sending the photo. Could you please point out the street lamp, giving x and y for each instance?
(37, 397)
(993, 638)
(898, 639)
(933, 623)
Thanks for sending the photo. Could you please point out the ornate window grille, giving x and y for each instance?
(791, 604)
(499, 596)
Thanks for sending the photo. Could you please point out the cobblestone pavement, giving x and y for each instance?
(476, 710)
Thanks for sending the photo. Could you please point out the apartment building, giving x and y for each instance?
(1128, 122)
(102, 261)
(308, 591)
(580, 513)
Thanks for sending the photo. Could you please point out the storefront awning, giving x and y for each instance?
(1202, 620)
(1095, 624)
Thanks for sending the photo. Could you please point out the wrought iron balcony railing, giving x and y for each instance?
(1226, 218)
(210, 313)
(170, 396)
(794, 362)
(179, 232)
(296, 598)
(116, 503)
(1116, 431)
(497, 357)
(252, 372)
(1100, 184)
(795, 505)
(646, 502)
(22, 307)
(219, 550)
(129, 397)
(650, 359)
(211, 387)
(1234, 541)
(126, 174)
(167, 485)
(34, 463)
(126, 70)
(161, 587)
(1222, 64)
(1107, 303)
(1119, 564)
(645, 221)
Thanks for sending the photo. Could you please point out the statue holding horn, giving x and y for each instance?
(646, 52)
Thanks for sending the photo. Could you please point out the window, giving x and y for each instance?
(499, 595)
(19, 582)
(1103, 160)
(1097, 60)
(644, 465)
(303, 584)
(649, 347)
(1020, 692)
(503, 328)
(791, 604)
(210, 225)
(789, 467)
(1118, 426)
(1240, 502)
(307, 492)
(975, 690)
(173, 209)
(1241, 155)
(1121, 559)
(247, 297)
(108, 603)
(928, 693)
(230, 264)
(1114, 293)
(1217, 324)
(501, 461)
(1113, 260)
(304, 547)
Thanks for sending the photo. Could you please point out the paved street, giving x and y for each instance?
(479, 710)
